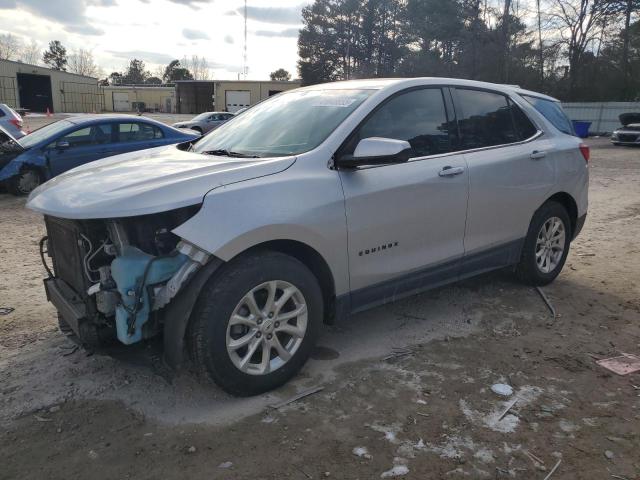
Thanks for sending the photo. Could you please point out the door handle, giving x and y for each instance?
(537, 154)
(449, 171)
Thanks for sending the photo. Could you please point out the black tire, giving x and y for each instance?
(527, 269)
(18, 184)
(207, 335)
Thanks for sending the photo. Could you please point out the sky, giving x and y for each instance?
(158, 31)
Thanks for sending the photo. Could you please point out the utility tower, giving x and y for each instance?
(245, 67)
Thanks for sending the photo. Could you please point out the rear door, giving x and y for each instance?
(406, 221)
(510, 173)
(80, 146)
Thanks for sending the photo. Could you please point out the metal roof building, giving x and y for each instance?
(37, 89)
(197, 96)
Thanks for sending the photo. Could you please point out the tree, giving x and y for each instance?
(56, 56)
(135, 73)
(115, 78)
(174, 71)
(197, 66)
(280, 75)
(30, 53)
(578, 22)
(9, 46)
(153, 81)
(81, 62)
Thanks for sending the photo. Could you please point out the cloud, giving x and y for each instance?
(229, 39)
(192, 34)
(282, 15)
(72, 16)
(191, 3)
(102, 3)
(286, 33)
(152, 57)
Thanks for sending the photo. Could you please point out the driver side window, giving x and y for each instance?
(417, 116)
(92, 135)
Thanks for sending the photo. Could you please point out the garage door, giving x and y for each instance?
(121, 102)
(237, 99)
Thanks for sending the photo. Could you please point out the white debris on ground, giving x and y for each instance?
(453, 447)
(399, 469)
(502, 389)
(361, 452)
(508, 423)
(484, 455)
(226, 465)
(390, 431)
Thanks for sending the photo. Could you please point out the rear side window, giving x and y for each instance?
(138, 132)
(418, 117)
(553, 112)
(485, 119)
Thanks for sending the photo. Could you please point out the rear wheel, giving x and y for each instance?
(255, 323)
(546, 246)
(25, 182)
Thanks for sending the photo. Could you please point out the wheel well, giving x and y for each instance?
(569, 203)
(315, 262)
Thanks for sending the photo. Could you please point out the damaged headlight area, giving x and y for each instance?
(111, 277)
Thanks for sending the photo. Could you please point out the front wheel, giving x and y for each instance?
(546, 246)
(25, 182)
(256, 322)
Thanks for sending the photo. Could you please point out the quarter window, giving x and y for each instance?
(485, 119)
(418, 117)
(138, 132)
(553, 112)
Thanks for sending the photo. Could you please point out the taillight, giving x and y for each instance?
(17, 123)
(584, 150)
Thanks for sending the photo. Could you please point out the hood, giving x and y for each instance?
(144, 182)
(183, 124)
(629, 118)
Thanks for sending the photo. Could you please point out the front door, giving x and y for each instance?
(406, 221)
(80, 146)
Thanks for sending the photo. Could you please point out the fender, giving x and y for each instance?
(15, 166)
(177, 313)
(299, 204)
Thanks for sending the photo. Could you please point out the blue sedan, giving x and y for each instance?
(68, 143)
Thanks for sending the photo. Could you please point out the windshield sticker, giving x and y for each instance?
(341, 102)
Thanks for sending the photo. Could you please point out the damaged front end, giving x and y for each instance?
(113, 278)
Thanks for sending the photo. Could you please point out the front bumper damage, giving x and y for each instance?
(103, 280)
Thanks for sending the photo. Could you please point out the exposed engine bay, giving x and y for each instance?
(111, 277)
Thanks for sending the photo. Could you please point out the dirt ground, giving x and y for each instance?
(427, 412)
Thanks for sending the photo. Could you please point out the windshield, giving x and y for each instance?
(286, 124)
(202, 116)
(44, 133)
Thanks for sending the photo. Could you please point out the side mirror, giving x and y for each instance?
(377, 151)
(62, 145)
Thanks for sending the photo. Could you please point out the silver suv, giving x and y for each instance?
(312, 205)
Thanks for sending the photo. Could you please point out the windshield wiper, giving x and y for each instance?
(229, 153)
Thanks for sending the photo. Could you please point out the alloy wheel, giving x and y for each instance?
(267, 327)
(550, 244)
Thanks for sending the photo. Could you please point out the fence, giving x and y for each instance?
(8, 91)
(602, 115)
(82, 97)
